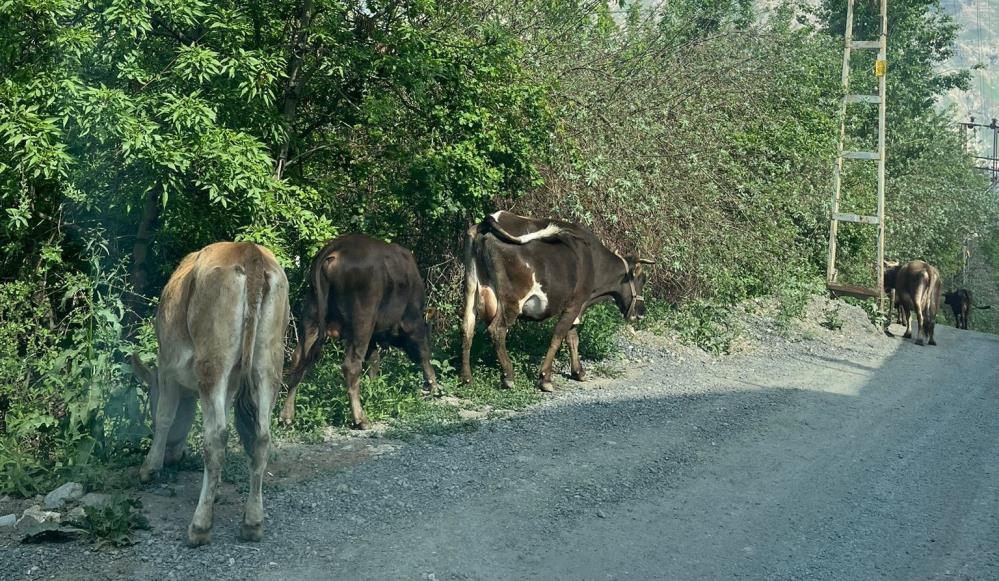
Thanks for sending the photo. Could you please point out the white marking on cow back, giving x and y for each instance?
(548, 231)
(535, 301)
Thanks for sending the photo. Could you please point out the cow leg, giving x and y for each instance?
(907, 315)
(303, 347)
(357, 348)
(253, 422)
(176, 445)
(417, 347)
(577, 368)
(168, 397)
(468, 328)
(374, 360)
(498, 331)
(213, 408)
(920, 308)
(927, 325)
(562, 329)
(892, 312)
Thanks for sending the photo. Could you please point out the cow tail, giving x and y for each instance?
(320, 298)
(469, 310)
(246, 403)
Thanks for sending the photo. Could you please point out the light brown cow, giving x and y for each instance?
(220, 327)
(914, 287)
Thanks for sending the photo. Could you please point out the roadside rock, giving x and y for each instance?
(8, 520)
(37, 514)
(67, 492)
(77, 513)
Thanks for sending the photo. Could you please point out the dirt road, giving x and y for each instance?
(853, 458)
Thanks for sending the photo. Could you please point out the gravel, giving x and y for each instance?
(810, 454)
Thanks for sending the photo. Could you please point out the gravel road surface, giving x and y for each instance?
(838, 456)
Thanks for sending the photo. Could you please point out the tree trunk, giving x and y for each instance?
(294, 82)
(139, 275)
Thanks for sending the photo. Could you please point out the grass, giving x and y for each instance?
(395, 397)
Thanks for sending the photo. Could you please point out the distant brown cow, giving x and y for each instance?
(368, 293)
(220, 327)
(524, 268)
(915, 288)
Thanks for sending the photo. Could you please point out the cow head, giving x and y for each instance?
(891, 271)
(631, 302)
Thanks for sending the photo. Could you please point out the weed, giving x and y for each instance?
(701, 323)
(832, 320)
(875, 315)
(113, 523)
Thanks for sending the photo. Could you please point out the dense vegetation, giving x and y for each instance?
(699, 133)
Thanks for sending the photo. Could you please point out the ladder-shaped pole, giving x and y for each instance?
(881, 45)
(880, 69)
(838, 170)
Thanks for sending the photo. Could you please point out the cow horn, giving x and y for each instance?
(646, 261)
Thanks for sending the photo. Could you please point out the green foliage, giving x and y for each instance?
(701, 323)
(67, 399)
(831, 319)
(113, 523)
(694, 132)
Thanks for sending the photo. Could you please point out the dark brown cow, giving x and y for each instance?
(220, 326)
(524, 268)
(370, 294)
(915, 288)
(960, 303)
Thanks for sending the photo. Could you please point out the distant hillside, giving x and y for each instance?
(978, 44)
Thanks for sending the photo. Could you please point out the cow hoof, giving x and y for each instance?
(287, 419)
(361, 425)
(932, 342)
(253, 533)
(147, 475)
(507, 383)
(907, 336)
(581, 376)
(919, 342)
(196, 536)
(546, 386)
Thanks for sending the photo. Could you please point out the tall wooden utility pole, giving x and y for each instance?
(880, 70)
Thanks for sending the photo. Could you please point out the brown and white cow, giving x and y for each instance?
(220, 326)
(532, 269)
(914, 287)
(370, 294)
